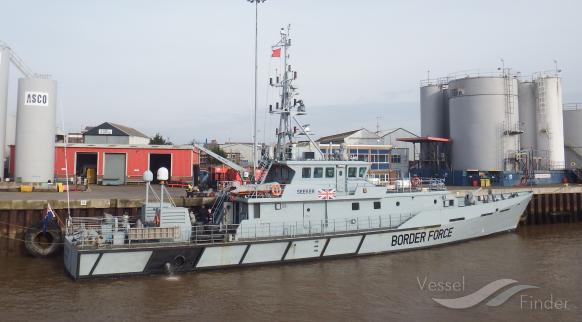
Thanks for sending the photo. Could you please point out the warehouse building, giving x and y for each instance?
(118, 164)
(387, 162)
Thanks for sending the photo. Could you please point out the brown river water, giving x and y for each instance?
(374, 288)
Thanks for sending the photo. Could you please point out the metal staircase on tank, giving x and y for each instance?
(511, 128)
(542, 115)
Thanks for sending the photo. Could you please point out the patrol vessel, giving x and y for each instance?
(302, 207)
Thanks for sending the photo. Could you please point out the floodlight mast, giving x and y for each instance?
(256, 2)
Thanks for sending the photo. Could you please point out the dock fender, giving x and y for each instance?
(41, 243)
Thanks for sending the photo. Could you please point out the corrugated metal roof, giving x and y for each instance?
(129, 130)
(337, 138)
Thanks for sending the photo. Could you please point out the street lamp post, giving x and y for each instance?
(256, 2)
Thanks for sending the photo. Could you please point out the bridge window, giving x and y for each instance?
(329, 172)
(355, 206)
(362, 172)
(280, 173)
(318, 172)
(306, 173)
(352, 172)
(377, 205)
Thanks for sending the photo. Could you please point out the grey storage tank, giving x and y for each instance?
(35, 130)
(573, 136)
(434, 111)
(4, 66)
(527, 115)
(483, 118)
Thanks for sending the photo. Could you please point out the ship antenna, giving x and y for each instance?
(290, 106)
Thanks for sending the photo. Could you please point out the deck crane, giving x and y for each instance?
(243, 173)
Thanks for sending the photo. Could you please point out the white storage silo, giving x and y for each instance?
(484, 122)
(434, 111)
(573, 137)
(4, 64)
(527, 115)
(549, 120)
(35, 130)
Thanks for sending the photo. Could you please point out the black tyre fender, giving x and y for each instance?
(53, 235)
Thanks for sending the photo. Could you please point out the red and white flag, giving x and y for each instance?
(276, 52)
(326, 194)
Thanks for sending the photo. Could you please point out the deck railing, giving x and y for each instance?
(102, 233)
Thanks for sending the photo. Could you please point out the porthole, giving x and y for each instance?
(397, 203)
(435, 202)
(308, 210)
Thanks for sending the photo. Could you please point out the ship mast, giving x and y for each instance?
(289, 105)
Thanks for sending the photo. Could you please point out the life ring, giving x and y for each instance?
(157, 219)
(39, 243)
(416, 181)
(276, 189)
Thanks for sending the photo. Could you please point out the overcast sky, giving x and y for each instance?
(185, 68)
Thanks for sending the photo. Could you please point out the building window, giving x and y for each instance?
(318, 172)
(355, 206)
(329, 172)
(395, 158)
(352, 172)
(306, 173)
(362, 172)
(377, 205)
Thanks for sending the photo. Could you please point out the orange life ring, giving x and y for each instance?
(416, 181)
(276, 190)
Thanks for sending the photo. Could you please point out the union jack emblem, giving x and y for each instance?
(326, 194)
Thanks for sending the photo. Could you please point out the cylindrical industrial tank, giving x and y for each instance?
(549, 120)
(35, 130)
(527, 114)
(4, 64)
(573, 137)
(434, 111)
(483, 118)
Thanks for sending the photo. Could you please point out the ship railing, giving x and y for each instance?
(261, 192)
(417, 184)
(257, 231)
(92, 233)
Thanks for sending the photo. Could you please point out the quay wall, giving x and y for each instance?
(17, 215)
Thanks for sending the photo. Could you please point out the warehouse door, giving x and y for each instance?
(86, 166)
(114, 169)
(160, 160)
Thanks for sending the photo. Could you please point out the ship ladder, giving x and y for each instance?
(217, 208)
